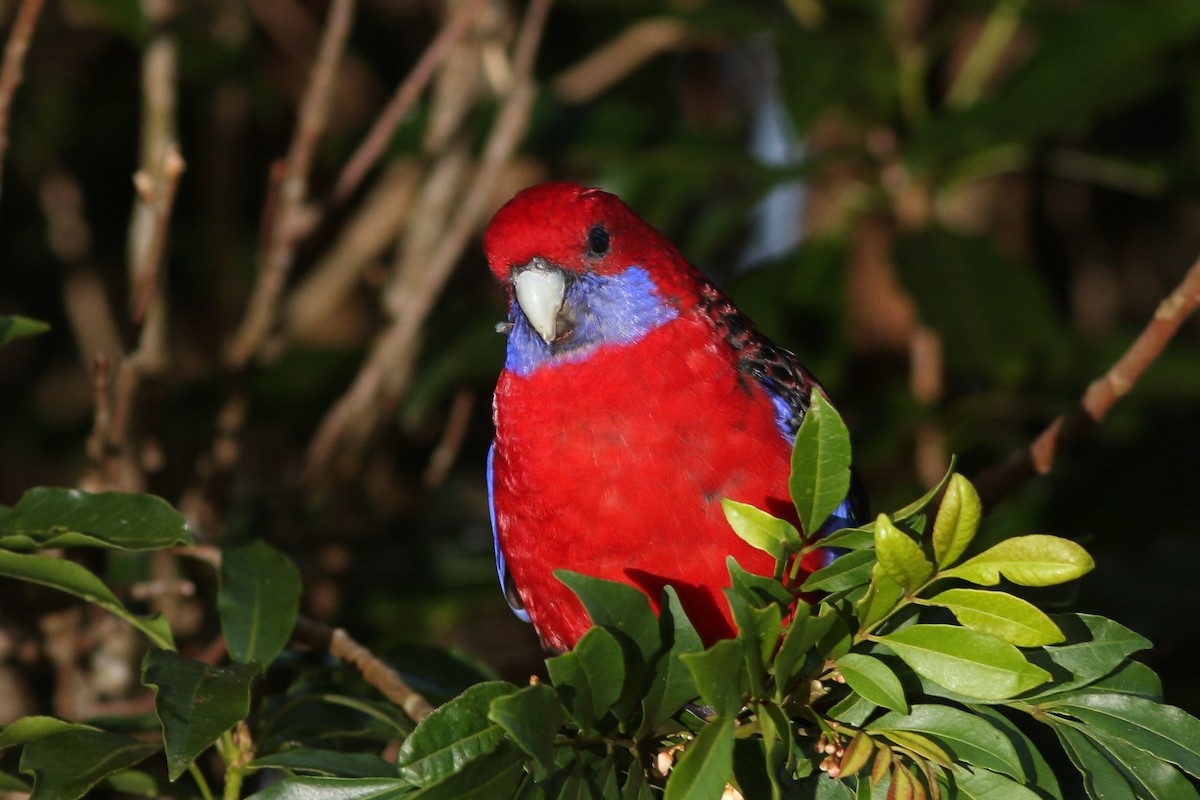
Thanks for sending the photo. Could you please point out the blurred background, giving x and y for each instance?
(253, 228)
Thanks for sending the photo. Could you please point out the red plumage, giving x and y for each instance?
(612, 461)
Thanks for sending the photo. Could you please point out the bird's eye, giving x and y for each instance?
(597, 240)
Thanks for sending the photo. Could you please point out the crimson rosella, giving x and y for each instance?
(634, 397)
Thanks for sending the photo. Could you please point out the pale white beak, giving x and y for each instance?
(540, 294)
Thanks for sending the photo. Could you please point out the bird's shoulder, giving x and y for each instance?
(775, 369)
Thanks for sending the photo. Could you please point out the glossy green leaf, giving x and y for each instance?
(803, 632)
(761, 530)
(874, 680)
(881, 598)
(67, 576)
(622, 608)
(671, 683)
(258, 598)
(531, 717)
(980, 784)
(759, 590)
(759, 630)
(1095, 645)
(900, 556)
(918, 743)
(968, 737)
(964, 661)
(327, 763)
(335, 789)
(590, 677)
(67, 764)
(706, 765)
(1166, 731)
(1035, 769)
(918, 506)
(51, 517)
(1034, 560)
(846, 572)
(1101, 777)
(1001, 615)
(720, 675)
(849, 538)
(195, 702)
(14, 326)
(956, 522)
(27, 729)
(1150, 776)
(453, 735)
(820, 475)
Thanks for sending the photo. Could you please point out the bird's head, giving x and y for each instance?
(582, 268)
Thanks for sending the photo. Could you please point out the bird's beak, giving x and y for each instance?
(540, 289)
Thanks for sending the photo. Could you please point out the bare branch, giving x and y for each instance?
(12, 69)
(1101, 395)
(406, 94)
(289, 219)
(613, 61)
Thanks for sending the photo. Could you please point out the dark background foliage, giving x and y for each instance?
(958, 214)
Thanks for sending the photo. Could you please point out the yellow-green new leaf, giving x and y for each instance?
(759, 529)
(1002, 615)
(899, 555)
(966, 662)
(1034, 560)
(957, 520)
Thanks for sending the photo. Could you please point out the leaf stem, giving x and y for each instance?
(201, 782)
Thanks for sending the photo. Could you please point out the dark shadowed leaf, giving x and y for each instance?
(979, 784)
(1150, 776)
(14, 326)
(622, 608)
(671, 684)
(1095, 645)
(453, 735)
(1101, 777)
(706, 765)
(51, 517)
(67, 576)
(966, 662)
(1035, 770)
(820, 474)
(26, 729)
(846, 572)
(66, 765)
(531, 717)
(720, 675)
(195, 702)
(874, 680)
(257, 599)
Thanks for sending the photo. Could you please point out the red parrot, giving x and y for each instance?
(634, 397)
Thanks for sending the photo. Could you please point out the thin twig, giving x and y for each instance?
(290, 220)
(457, 421)
(1101, 395)
(395, 345)
(406, 94)
(611, 62)
(12, 69)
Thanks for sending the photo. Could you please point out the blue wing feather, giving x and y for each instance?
(506, 582)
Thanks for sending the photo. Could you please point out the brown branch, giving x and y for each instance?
(397, 343)
(1101, 395)
(290, 219)
(617, 59)
(12, 68)
(406, 94)
(455, 432)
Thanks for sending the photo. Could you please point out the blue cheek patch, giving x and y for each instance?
(608, 310)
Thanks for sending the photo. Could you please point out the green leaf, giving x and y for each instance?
(336, 789)
(761, 530)
(11, 783)
(968, 737)
(1034, 560)
(849, 538)
(195, 702)
(882, 596)
(327, 763)
(27, 729)
(258, 597)
(918, 743)
(804, 631)
(874, 680)
(13, 327)
(50, 517)
(820, 475)
(956, 522)
(720, 675)
(671, 684)
(590, 677)
(1101, 777)
(67, 576)
(1095, 645)
(846, 572)
(454, 734)
(758, 590)
(1001, 615)
(706, 765)
(66, 765)
(135, 782)
(1035, 770)
(900, 556)
(964, 661)
(759, 630)
(916, 507)
(1166, 731)
(531, 717)
(622, 608)
(1150, 776)
(979, 784)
